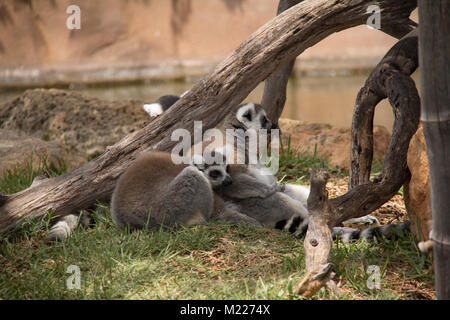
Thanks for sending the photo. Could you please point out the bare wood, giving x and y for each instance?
(273, 45)
(435, 87)
(275, 89)
(318, 239)
(402, 57)
(391, 79)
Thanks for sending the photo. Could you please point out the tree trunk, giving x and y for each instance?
(435, 87)
(273, 45)
(275, 89)
(390, 78)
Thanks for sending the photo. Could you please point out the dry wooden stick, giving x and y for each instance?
(318, 242)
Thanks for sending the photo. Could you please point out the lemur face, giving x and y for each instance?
(253, 116)
(214, 167)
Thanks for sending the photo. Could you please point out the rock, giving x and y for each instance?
(85, 124)
(329, 143)
(417, 191)
(16, 148)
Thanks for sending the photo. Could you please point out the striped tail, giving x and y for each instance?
(298, 226)
(389, 231)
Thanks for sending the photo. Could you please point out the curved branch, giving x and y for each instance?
(390, 79)
(275, 90)
(274, 95)
(400, 62)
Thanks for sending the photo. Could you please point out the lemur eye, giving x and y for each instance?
(248, 115)
(214, 174)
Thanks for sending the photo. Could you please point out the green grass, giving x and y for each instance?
(213, 261)
(22, 175)
(295, 167)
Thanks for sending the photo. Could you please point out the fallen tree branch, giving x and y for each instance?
(318, 239)
(273, 45)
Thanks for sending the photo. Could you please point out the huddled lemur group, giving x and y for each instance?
(156, 192)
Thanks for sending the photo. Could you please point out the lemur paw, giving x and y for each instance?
(366, 220)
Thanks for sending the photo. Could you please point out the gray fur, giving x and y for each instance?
(255, 194)
(230, 212)
(266, 204)
(155, 192)
(63, 228)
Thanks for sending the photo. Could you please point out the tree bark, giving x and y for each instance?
(391, 79)
(318, 239)
(273, 45)
(275, 89)
(434, 55)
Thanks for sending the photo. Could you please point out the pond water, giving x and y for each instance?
(316, 99)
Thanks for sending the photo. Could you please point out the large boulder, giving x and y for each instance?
(417, 191)
(327, 142)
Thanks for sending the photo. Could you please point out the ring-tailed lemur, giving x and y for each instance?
(255, 193)
(154, 191)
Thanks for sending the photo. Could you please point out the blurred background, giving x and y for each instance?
(142, 49)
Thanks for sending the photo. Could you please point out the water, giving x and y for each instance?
(314, 99)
